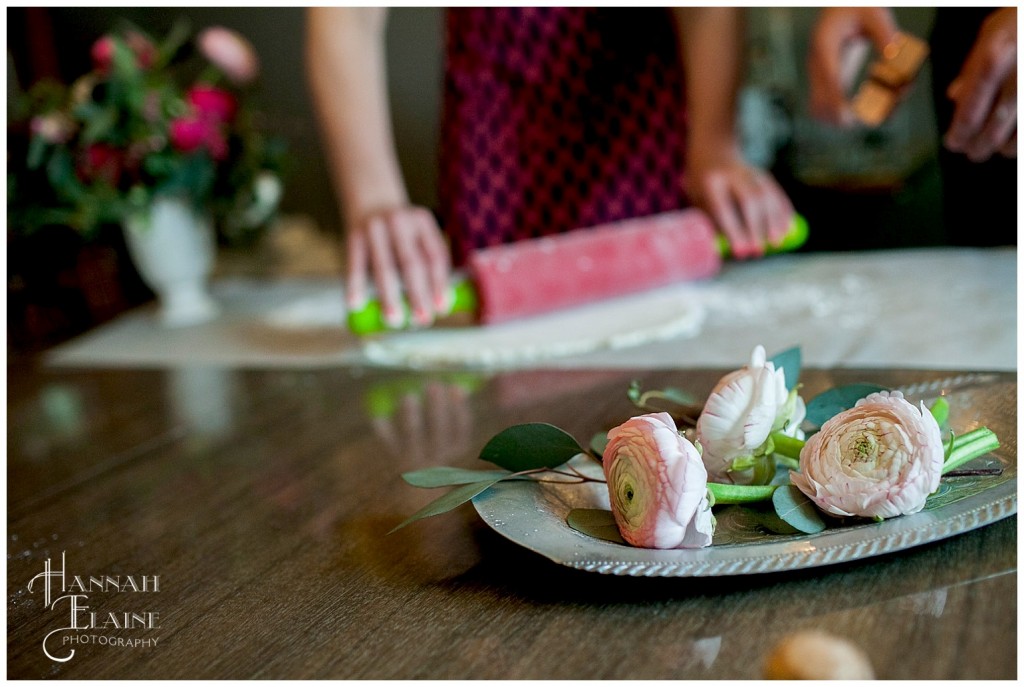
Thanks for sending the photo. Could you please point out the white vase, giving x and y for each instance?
(173, 249)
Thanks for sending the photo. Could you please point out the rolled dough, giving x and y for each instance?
(618, 323)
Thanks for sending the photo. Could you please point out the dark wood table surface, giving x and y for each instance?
(261, 501)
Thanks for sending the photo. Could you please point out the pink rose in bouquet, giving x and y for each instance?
(879, 459)
(657, 485)
(230, 53)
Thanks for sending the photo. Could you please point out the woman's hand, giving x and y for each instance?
(745, 202)
(404, 250)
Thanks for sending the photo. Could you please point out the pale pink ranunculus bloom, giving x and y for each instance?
(879, 459)
(229, 52)
(743, 409)
(657, 485)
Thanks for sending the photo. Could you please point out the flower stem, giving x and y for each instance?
(740, 493)
(969, 446)
(787, 462)
(786, 445)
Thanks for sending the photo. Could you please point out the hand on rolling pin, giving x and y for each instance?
(832, 63)
(985, 92)
(746, 203)
(404, 249)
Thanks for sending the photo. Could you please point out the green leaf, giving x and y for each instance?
(827, 405)
(797, 510)
(768, 520)
(595, 522)
(789, 362)
(36, 152)
(430, 478)
(530, 446)
(100, 124)
(940, 411)
(598, 443)
(454, 498)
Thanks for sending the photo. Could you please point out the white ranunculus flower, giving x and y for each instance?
(879, 459)
(743, 409)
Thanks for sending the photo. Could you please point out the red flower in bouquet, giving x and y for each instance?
(101, 162)
(192, 133)
(212, 103)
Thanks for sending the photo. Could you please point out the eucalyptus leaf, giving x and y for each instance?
(530, 446)
(828, 404)
(768, 520)
(430, 478)
(453, 499)
(789, 362)
(595, 522)
(798, 511)
(678, 396)
(598, 443)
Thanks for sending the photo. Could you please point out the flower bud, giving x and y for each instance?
(230, 52)
(741, 412)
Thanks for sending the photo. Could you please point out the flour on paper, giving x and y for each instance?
(614, 324)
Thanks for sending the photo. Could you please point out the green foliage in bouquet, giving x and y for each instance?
(149, 118)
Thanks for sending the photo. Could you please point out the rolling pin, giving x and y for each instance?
(540, 275)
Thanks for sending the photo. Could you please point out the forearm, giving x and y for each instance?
(712, 56)
(347, 76)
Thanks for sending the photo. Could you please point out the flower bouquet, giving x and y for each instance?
(856, 454)
(150, 119)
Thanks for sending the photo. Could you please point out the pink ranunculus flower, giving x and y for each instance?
(229, 52)
(210, 102)
(879, 459)
(657, 485)
(742, 410)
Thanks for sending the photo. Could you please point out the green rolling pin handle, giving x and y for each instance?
(794, 238)
(370, 318)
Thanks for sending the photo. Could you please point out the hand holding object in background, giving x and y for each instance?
(985, 92)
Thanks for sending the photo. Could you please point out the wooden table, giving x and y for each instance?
(261, 500)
